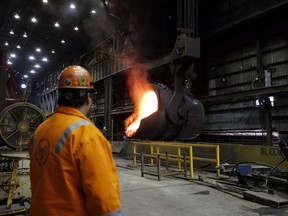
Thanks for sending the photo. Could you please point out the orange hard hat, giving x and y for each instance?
(75, 77)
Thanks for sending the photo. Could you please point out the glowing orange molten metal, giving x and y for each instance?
(143, 95)
(147, 106)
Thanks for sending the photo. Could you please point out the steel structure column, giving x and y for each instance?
(3, 79)
(260, 71)
(187, 17)
(268, 121)
(183, 56)
(107, 105)
(267, 108)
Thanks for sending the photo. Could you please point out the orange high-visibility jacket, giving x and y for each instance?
(72, 170)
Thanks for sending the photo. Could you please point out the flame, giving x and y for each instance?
(148, 105)
(144, 97)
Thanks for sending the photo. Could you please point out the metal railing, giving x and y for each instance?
(156, 149)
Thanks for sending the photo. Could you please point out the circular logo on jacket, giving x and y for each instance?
(42, 151)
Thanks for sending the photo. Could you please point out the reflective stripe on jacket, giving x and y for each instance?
(72, 170)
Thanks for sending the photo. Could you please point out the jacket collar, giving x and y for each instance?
(70, 111)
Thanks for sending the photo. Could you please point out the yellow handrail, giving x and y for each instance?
(178, 157)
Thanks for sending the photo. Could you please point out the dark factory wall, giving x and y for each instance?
(219, 16)
(243, 64)
(241, 42)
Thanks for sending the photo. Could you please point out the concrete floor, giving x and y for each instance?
(146, 196)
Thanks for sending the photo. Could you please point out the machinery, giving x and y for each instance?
(185, 125)
(180, 115)
(18, 121)
(18, 118)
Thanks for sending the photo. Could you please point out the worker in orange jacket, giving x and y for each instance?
(72, 170)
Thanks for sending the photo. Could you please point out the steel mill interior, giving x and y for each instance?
(191, 94)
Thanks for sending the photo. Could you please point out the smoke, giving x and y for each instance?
(143, 95)
(138, 84)
(98, 28)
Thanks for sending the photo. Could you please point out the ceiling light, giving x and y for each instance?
(11, 32)
(37, 66)
(44, 59)
(72, 6)
(57, 25)
(32, 71)
(63, 41)
(25, 76)
(45, 1)
(23, 86)
(53, 51)
(38, 50)
(31, 58)
(6, 43)
(25, 35)
(9, 62)
(16, 16)
(13, 55)
(76, 28)
(93, 11)
(18, 47)
(33, 19)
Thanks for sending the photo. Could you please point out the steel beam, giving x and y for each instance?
(240, 95)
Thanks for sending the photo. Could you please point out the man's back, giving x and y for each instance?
(72, 170)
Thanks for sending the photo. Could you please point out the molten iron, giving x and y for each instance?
(144, 98)
(159, 125)
(147, 106)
